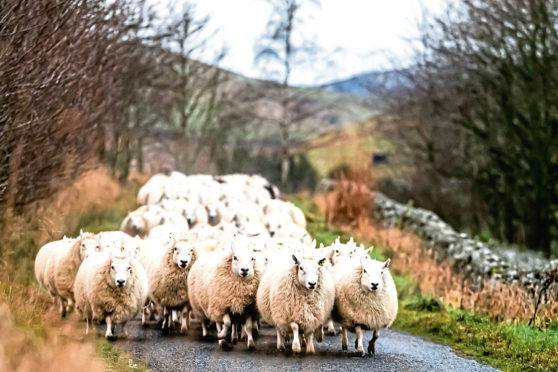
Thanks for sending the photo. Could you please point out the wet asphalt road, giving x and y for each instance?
(395, 351)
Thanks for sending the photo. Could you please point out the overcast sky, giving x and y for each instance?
(355, 35)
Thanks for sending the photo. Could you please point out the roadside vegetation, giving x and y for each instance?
(35, 334)
(506, 346)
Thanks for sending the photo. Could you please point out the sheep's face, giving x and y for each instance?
(137, 223)
(190, 215)
(212, 211)
(88, 246)
(273, 225)
(120, 271)
(308, 271)
(372, 274)
(183, 252)
(243, 259)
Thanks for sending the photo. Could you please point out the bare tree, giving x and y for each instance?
(278, 46)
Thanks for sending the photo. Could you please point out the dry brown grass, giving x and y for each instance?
(351, 198)
(29, 344)
(411, 256)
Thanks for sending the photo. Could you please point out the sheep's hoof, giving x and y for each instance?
(296, 348)
(372, 348)
(184, 331)
(281, 347)
(331, 333)
(251, 345)
(344, 347)
(310, 350)
(110, 337)
(360, 351)
(224, 345)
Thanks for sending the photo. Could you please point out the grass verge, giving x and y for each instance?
(36, 334)
(509, 347)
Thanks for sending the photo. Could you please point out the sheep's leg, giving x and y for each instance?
(166, 318)
(86, 326)
(344, 339)
(256, 326)
(218, 326)
(125, 329)
(234, 334)
(359, 333)
(70, 305)
(226, 326)
(372, 343)
(310, 343)
(61, 307)
(174, 316)
(143, 316)
(204, 328)
(296, 340)
(108, 333)
(243, 335)
(280, 341)
(185, 321)
(248, 329)
(320, 333)
(331, 328)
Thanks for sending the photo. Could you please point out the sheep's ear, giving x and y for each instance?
(351, 241)
(321, 245)
(369, 250)
(386, 263)
(322, 261)
(313, 245)
(295, 259)
(80, 232)
(338, 240)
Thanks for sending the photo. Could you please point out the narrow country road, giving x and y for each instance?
(395, 351)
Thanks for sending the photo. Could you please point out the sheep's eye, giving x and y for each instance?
(129, 268)
(253, 258)
(112, 267)
(234, 258)
(364, 271)
(83, 246)
(175, 249)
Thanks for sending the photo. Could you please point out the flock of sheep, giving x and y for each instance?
(223, 250)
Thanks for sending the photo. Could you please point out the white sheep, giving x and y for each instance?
(295, 296)
(112, 288)
(167, 270)
(365, 298)
(222, 288)
(61, 265)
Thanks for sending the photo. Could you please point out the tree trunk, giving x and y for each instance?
(284, 154)
(139, 153)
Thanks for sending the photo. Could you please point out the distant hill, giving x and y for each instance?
(369, 83)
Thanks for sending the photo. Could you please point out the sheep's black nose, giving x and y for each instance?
(244, 271)
(183, 263)
(312, 285)
(120, 282)
(374, 286)
(272, 233)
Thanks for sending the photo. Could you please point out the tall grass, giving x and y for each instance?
(37, 337)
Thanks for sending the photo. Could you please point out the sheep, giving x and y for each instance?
(142, 220)
(44, 253)
(167, 271)
(287, 209)
(195, 214)
(296, 296)
(111, 287)
(222, 288)
(293, 232)
(61, 266)
(215, 212)
(365, 298)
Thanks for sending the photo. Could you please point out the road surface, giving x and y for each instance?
(395, 351)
